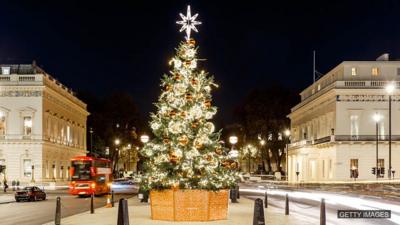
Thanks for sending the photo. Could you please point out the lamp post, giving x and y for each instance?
(129, 147)
(377, 119)
(287, 134)
(249, 154)
(91, 140)
(262, 143)
(389, 90)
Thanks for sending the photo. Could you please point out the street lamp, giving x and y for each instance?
(249, 153)
(233, 140)
(91, 140)
(117, 142)
(262, 143)
(390, 87)
(287, 134)
(144, 138)
(377, 118)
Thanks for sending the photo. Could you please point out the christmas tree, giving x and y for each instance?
(186, 152)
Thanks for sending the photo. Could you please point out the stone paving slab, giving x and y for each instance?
(139, 214)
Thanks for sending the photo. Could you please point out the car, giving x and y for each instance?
(30, 193)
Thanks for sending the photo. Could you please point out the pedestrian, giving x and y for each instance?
(5, 186)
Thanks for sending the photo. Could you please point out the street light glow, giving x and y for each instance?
(117, 141)
(390, 87)
(233, 140)
(144, 138)
(262, 142)
(287, 132)
(377, 117)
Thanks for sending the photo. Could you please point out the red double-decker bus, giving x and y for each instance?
(90, 175)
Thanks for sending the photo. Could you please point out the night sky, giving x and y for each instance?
(125, 45)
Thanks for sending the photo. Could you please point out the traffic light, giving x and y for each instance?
(374, 170)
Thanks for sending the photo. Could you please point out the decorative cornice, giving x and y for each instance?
(366, 98)
(21, 93)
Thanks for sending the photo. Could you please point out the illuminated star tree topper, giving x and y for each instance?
(188, 22)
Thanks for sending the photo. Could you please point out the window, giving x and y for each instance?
(68, 134)
(375, 71)
(27, 125)
(5, 70)
(381, 167)
(27, 168)
(2, 124)
(354, 126)
(353, 168)
(323, 168)
(319, 87)
(330, 168)
(353, 71)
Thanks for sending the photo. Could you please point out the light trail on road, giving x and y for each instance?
(334, 199)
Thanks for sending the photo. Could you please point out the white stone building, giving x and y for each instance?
(333, 131)
(42, 125)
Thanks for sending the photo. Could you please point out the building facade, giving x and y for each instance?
(42, 125)
(333, 131)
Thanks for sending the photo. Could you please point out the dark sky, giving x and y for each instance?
(125, 45)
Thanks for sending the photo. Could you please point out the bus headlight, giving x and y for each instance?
(93, 185)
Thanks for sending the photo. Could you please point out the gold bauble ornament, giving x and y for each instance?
(166, 141)
(198, 146)
(218, 151)
(195, 124)
(173, 157)
(233, 165)
(172, 113)
(194, 82)
(177, 76)
(207, 103)
(191, 42)
(189, 97)
(183, 140)
(183, 115)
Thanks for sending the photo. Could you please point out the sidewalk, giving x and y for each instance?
(7, 197)
(139, 214)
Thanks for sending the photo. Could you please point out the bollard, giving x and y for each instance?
(123, 217)
(91, 204)
(112, 198)
(258, 216)
(238, 191)
(57, 220)
(108, 203)
(287, 205)
(233, 195)
(266, 199)
(322, 218)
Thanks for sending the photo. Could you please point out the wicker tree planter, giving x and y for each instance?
(189, 205)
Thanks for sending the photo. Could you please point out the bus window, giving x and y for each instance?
(101, 179)
(81, 170)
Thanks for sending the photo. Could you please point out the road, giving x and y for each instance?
(308, 204)
(40, 212)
